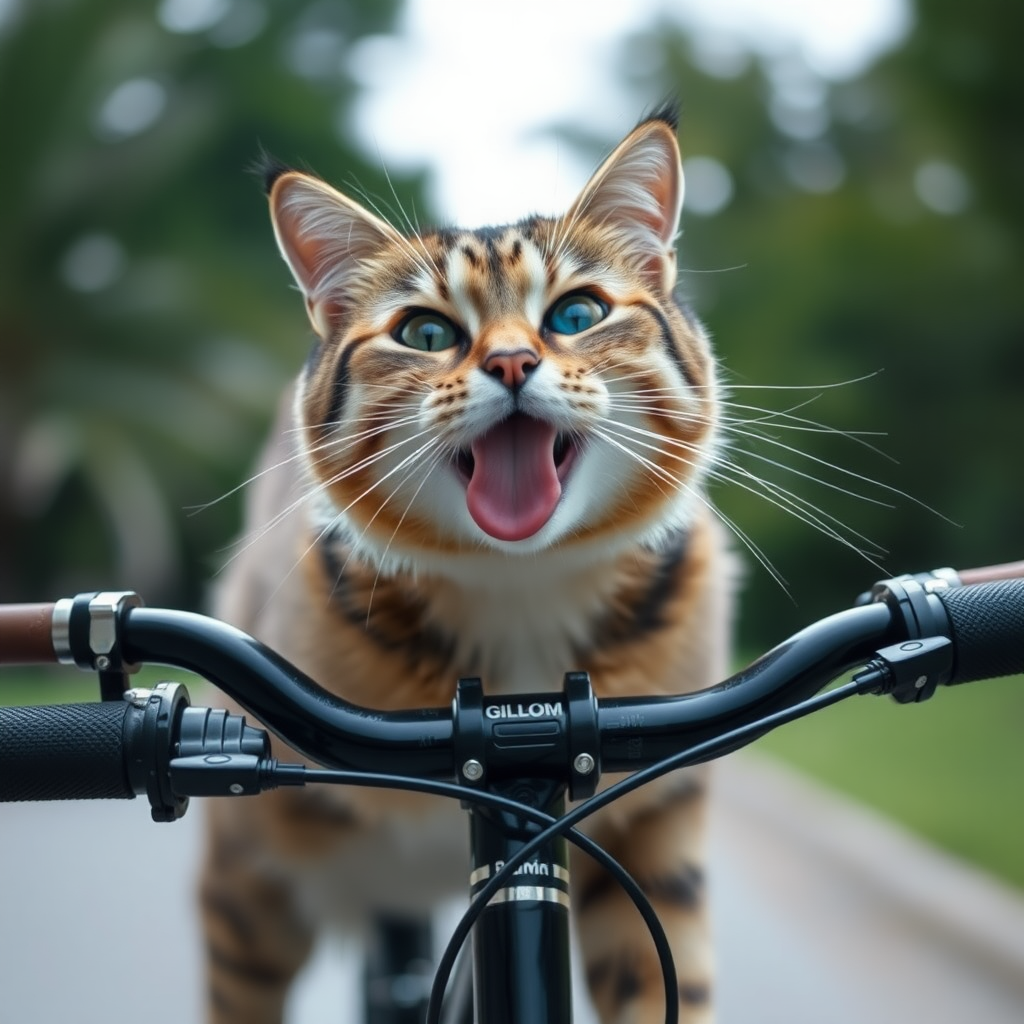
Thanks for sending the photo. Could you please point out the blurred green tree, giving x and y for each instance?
(836, 229)
(833, 229)
(145, 327)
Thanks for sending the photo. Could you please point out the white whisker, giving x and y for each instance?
(802, 387)
(744, 538)
(196, 509)
(428, 469)
(339, 515)
(771, 492)
(848, 473)
(319, 488)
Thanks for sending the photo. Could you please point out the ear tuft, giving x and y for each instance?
(267, 168)
(667, 112)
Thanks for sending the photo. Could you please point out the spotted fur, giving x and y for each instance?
(368, 565)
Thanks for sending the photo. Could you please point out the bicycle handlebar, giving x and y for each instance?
(116, 750)
(35, 634)
(914, 634)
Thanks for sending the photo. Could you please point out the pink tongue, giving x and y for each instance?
(514, 488)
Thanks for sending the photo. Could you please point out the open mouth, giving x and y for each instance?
(514, 474)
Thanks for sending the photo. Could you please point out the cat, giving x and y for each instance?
(492, 465)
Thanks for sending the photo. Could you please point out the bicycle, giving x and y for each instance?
(511, 763)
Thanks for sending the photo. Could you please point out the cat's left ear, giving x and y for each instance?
(638, 190)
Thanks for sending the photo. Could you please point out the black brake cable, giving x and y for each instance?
(565, 827)
(379, 780)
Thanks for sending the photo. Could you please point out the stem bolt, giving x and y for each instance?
(583, 764)
(473, 770)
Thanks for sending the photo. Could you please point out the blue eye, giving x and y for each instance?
(427, 332)
(575, 313)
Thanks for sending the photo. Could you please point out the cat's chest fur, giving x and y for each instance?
(641, 618)
(519, 624)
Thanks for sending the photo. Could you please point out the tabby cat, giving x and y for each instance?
(491, 465)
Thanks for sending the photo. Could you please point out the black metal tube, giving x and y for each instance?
(521, 941)
(638, 732)
(319, 725)
(635, 732)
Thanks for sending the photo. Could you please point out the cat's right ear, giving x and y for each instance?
(638, 192)
(326, 240)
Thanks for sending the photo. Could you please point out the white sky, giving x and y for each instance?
(468, 86)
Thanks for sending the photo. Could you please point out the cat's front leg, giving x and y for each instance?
(256, 940)
(660, 842)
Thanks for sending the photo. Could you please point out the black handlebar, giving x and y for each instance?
(913, 634)
(789, 673)
(631, 732)
(311, 720)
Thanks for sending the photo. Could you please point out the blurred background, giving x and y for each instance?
(854, 230)
(854, 210)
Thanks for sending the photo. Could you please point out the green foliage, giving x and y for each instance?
(146, 326)
(876, 224)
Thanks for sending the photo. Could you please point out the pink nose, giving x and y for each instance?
(511, 368)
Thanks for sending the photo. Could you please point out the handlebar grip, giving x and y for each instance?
(987, 622)
(64, 752)
(26, 634)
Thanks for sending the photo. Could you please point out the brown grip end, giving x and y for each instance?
(991, 573)
(26, 634)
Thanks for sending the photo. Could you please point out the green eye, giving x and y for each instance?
(427, 332)
(575, 313)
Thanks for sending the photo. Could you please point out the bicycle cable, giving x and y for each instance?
(292, 774)
(566, 826)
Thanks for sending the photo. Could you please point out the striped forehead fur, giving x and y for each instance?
(518, 283)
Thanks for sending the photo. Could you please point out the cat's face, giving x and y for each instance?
(518, 388)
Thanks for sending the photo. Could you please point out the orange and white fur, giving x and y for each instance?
(491, 465)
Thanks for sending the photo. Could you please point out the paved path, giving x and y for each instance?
(825, 915)
(830, 914)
